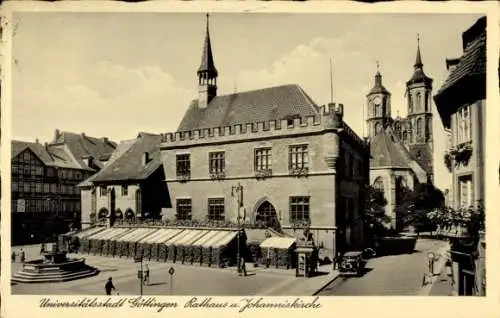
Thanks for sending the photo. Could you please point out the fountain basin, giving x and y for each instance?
(42, 271)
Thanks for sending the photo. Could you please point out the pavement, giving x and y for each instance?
(187, 279)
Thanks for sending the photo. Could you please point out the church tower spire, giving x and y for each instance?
(207, 73)
(419, 122)
(379, 106)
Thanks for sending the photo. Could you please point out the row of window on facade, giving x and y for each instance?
(298, 159)
(38, 187)
(33, 170)
(45, 205)
(299, 209)
(103, 191)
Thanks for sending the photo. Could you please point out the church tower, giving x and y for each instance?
(207, 74)
(419, 99)
(379, 107)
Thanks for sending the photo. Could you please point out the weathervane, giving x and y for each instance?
(418, 38)
(378, 65)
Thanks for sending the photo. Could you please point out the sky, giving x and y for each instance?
(116, 74)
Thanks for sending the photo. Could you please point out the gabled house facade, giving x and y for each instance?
(130, 186)
(44, 179)
(461, 103)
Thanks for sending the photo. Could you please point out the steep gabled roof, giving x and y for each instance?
(472, 62)
(81, 146)
(126, 163)
(49, 155)
(423, 155)
(387, 151)
(265, 104)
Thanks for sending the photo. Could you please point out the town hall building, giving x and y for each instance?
(270, 157)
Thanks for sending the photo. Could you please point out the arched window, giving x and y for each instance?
(418, 101)
(379, 184)
(129, 214)
(378, 128)
(405, 137)
(419, 127)
(410, 104)
(427, 101)
(378, 110)
(428, 130)
(103, 213)
(119, 214)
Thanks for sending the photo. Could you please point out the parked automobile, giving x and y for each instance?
(352, 263)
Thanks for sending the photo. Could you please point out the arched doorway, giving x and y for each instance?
(266, 215)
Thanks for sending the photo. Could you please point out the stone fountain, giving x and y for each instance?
(54, 266)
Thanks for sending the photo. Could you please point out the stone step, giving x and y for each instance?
(22, 277)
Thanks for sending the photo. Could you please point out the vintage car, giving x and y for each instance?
(352, 263)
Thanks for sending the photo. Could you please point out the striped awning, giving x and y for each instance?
(170, 234)
(97, 236)
(278, 242)
(210, 235)
(174, 239)
(215, 239)
(153, 237)
(116, 233)
(226, 239)
(90, 231)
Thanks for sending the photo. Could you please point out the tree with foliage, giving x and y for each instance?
(376, 219)
(415, 207)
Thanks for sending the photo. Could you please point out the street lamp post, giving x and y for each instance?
(238, 191)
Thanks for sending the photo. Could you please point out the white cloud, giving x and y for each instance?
(308, 66)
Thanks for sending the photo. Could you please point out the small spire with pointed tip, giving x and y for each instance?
(418, 61)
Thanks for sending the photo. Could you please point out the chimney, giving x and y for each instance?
(83, 134)
(37, 141)
(105, 139)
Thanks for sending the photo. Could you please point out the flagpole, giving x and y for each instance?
(331, 81)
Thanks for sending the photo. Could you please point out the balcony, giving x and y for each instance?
(299, 172)
(220, 175)
(185, 177)
(263, 174)
(462, 152)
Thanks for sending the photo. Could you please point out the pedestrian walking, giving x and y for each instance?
(13, 256)
(42, 248)
(22, 256)
(109, 286)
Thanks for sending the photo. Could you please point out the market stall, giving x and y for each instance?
(197, 247)
(185, 246)
(207, 248)
(224, 250)
(279, 252)
(171, 245)
(162, 243)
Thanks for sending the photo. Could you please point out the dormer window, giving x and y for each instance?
(103, 191)
(145, 158)
(289, 122)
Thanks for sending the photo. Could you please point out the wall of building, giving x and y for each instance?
(122, 202)
(239, 148)
(475, 164)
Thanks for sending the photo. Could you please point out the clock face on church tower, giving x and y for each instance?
(377, 100)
